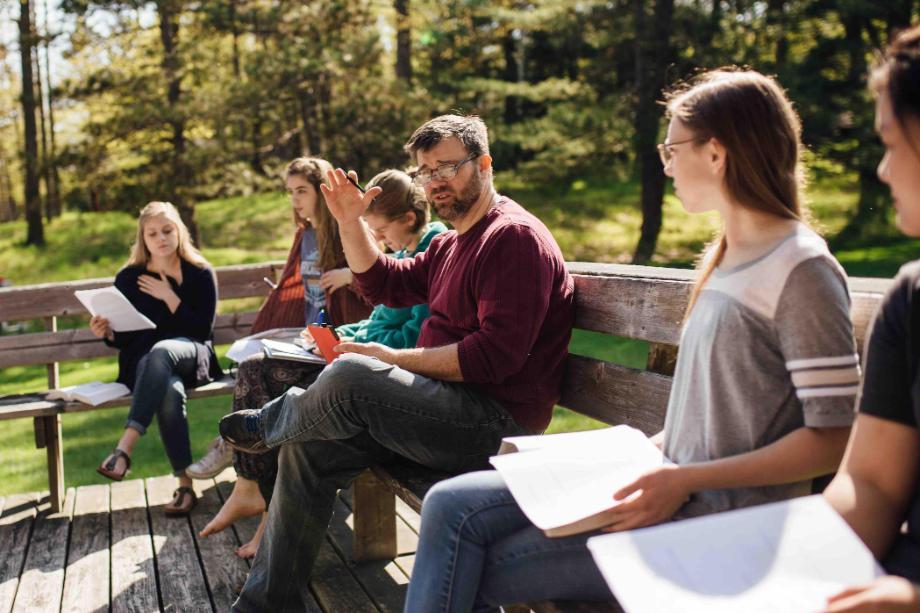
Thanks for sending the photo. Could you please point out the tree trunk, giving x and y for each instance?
(43, 130)
(169, 12)
(54, 185)
(8, 210)
(403, 41)
(652, 57)
(35, 233)
(512, 75)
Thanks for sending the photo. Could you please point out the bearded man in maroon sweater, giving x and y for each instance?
(488, 363)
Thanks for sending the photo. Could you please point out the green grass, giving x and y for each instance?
(592, 221)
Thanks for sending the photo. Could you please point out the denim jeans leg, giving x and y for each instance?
(309, 475)
(477, 551)
(175, 356)
(446, 426)
(460, 518)
(172, 419)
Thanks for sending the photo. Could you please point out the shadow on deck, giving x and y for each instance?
(112, 548)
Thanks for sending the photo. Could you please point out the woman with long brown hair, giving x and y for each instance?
(399, 217)
(169, 281)
(763, 393)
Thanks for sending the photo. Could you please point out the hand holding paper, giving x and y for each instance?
(111, 304)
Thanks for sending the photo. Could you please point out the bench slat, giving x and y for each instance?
(653, 309)
(81, 344)
(615, 394)
(57, 299)
(34, 405)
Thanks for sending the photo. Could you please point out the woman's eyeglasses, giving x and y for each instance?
(665, 152)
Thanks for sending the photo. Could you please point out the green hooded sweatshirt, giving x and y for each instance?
(396, 328)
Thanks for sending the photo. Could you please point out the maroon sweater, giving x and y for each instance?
(502, 293)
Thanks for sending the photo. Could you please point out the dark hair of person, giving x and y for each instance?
(751, 117)
(897, 72)
(400, 196)
(470, 130)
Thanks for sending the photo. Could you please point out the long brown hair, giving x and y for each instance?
(750, 115)
(140, 255)
(400, 195)
(328, 241)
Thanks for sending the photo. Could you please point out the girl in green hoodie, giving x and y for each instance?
(400, 219)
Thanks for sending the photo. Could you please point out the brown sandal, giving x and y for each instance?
(108, 467)
(184, 500)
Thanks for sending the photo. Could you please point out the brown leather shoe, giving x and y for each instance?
(109, 466)
(184, 500)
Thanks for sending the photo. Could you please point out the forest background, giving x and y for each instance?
(107, 105)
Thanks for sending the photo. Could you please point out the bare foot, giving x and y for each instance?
(244, 501)
(250, 549)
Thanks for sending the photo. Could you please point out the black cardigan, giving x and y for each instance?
(194, 319)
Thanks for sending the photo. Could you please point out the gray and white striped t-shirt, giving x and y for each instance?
(767, 349)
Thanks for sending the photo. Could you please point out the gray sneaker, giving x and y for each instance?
(218, 457)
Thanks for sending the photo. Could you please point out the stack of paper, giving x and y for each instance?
(564, 483)
(788, 556)
(110, 303)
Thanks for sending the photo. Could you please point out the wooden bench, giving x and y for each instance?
(50, 301)
(636, 302)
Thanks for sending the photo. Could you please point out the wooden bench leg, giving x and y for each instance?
(374, 518)
(48, 436)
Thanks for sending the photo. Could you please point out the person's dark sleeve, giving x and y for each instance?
(126, 283)
(886, 387)
(513, 288)
(397, 283)
(197, 319)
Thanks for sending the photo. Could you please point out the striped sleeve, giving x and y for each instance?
(825, 377)
(816, 338)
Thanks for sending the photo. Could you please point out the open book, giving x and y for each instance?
(94, 393)
(280, 350)
(252, 344)
(564, 483)
(787, 556)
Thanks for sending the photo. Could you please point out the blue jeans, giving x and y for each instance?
(159, 390)
(478, 551)
(359, 412)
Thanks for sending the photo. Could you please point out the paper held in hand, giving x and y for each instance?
(787, 556)
(564, 483)
(94, 393)
(110, 303)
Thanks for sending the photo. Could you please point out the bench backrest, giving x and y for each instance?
(637, 302)
(49, 301)
(648, 303)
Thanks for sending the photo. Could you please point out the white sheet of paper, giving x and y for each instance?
(110, 303)
(566, 477)
(788, 556)
(252, 344)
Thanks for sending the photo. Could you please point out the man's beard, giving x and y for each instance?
(463, 202)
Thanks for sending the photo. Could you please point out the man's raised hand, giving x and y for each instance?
(344, 199)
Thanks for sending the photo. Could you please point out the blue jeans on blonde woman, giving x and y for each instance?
(478, 551)
(159, 390)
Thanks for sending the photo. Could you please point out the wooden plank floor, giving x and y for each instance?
(112, 548)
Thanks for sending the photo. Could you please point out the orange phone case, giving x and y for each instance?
(326, 339)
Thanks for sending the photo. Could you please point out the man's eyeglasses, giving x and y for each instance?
(665, 152)
(444, 172)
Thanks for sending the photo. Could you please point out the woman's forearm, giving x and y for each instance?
(802, 454)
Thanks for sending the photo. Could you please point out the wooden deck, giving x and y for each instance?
(112, 548)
